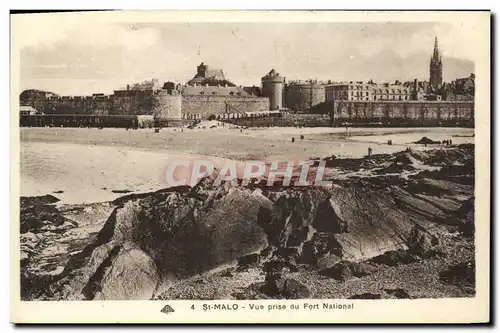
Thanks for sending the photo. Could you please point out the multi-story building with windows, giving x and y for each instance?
(352, 91)
(367, 91)
(391, 92)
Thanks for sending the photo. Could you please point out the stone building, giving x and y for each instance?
(462, 89)
(367, 91)
(350, 91)
(210, 94)
(206, 75)
(37, 99)
(432, 90)
(207, 94)
(391, 92)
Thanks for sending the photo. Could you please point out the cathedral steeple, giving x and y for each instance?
(435, 54)
(436, 67)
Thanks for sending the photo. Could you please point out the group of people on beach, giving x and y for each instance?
(447, 142)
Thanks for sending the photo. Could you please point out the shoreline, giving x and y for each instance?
(86, 161)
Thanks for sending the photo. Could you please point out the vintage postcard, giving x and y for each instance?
(250, 167)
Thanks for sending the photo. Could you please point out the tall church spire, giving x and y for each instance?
(436, 68)
(435, 54)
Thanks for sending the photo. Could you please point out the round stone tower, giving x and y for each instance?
(272, 87)
(168, 103)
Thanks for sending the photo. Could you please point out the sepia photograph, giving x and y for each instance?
(250, 160)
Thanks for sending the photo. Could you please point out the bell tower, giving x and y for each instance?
(201, 70)
(436, 68)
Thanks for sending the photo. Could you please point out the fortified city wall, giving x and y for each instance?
(453, 113)
(206, 106)
(159, 103)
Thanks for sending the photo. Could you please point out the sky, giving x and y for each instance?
(81, 58)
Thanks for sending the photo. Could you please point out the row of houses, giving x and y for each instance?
(461, 89)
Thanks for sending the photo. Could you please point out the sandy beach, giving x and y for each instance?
(89, 165)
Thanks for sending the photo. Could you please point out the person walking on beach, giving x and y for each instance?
(369, 151)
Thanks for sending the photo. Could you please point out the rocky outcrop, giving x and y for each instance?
(345, 270)
(394, 258)
(462, 275)
(38, 214)
(165, 233)
(465, 216)
(276, 285)
(422, 242)
(127, 248)
(397, 293)
(321, 249)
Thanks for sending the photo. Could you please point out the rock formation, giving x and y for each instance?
(136, 245)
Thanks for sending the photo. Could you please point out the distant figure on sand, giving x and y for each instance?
(369, 151)
(293, 139)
